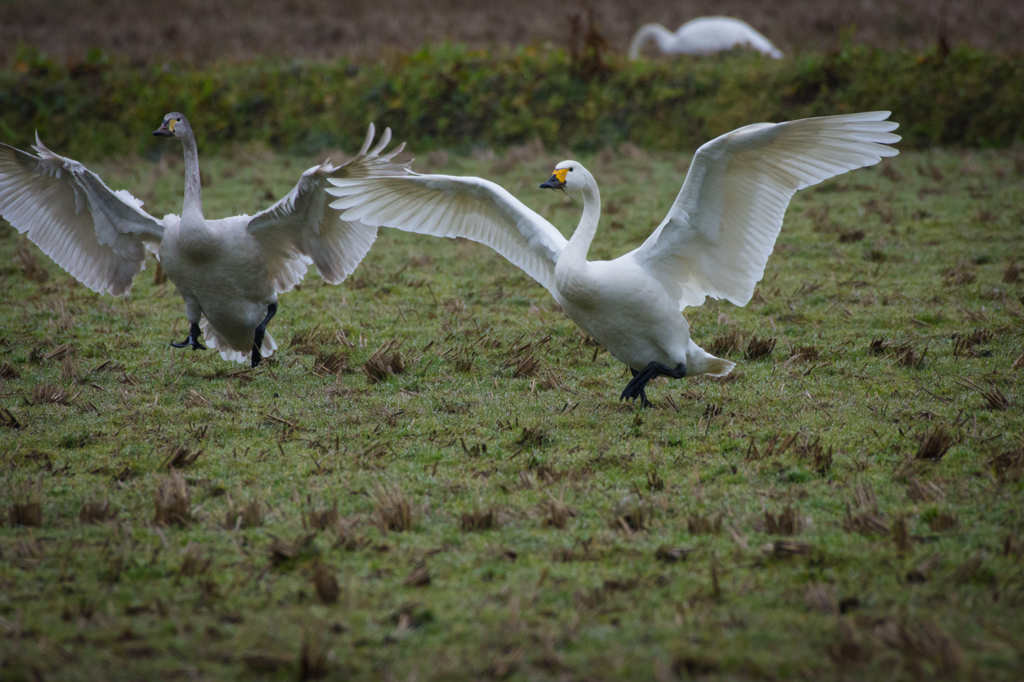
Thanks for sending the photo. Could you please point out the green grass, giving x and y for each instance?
(448, 96)
(129, 599)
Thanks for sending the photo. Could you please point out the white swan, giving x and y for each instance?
(702, 36)
(229, 271)
(715, 240)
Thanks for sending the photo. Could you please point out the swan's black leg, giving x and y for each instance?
(192, 339)
(644, 402)
(261, 331)
(635, 388)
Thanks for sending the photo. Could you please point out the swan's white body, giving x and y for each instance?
(646, 325)
(715, 240)
(228, 271)
(703, 36)
(221, 272)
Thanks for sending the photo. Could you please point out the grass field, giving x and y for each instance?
(845, 507)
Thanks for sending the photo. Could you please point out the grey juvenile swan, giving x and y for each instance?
(229, 271)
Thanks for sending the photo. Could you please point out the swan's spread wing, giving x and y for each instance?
(716, 239)
(301, 228)
(448, 206)
(96, 234)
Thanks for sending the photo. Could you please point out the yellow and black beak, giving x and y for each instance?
(166, 128)
(557, 179)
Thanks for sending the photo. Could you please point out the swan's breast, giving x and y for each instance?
(575, 283)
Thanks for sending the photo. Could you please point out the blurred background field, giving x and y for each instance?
(450, 97)
(201, 32)
(459, 76)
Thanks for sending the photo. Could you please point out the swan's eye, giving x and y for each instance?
(570, 169)
(178, 120)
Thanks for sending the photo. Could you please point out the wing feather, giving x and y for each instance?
(716, 239)
(449, 206)
(301, 229)
(97, 235)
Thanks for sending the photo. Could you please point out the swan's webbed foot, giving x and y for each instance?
(261, 332)
(191, 340)
(635, 390)
(637, 385)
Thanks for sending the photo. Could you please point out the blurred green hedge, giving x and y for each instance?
(449, 96)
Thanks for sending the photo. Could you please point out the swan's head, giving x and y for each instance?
(173, 125)
(568, 175)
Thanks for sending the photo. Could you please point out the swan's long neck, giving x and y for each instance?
(657, 32)
(575, 252)
(192, 210)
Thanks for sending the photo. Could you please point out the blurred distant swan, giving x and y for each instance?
(715, 240)
(229, 271)
(704, 35)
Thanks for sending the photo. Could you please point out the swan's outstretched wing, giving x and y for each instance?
(96, 234)
(449, 206)
(301, 228)
(716, 238)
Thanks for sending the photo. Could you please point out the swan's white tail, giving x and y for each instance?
(699, 361)
(230, 354)
(717, 367)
